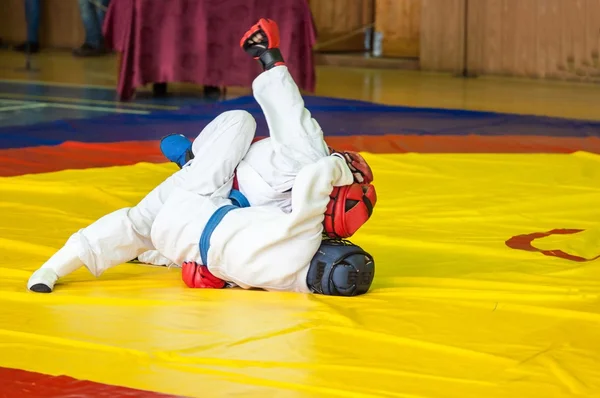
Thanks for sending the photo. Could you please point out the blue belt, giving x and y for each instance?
(239, 200)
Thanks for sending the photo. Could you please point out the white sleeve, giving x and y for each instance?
(313, 185)
(296, 136)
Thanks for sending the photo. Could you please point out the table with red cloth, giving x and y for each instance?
(197, 41)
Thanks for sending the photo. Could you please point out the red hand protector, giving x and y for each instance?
(198, 276)
(268, 27)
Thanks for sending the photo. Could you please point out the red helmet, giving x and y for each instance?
(349, 208)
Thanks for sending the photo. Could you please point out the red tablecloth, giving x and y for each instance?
(197, 41)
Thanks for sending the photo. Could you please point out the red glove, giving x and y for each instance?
(358, 165)
(198, 276)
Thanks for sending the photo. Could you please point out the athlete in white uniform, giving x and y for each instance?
(267, 172)
(190, 219)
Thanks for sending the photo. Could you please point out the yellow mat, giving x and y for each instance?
(454, 311)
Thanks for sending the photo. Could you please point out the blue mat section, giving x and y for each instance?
(98, 93)
(30, 116)
(336, 116)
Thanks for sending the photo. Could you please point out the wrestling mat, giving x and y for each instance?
(486, 286)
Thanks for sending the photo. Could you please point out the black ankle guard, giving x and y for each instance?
(270, 57)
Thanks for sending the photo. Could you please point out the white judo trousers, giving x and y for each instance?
(126, 233)
(267, 172)
(264, 176)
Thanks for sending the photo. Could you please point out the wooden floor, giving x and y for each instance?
(387, 86)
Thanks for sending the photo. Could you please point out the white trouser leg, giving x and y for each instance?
(208, 180)
(216, 151)
(124, 234)
(110, 241)
(216, 156)
(296, 139)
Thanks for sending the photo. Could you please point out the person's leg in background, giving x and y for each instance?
(92, 15)
(32, 19)
(101, 11)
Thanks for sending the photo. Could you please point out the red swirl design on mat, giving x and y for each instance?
(524, 242)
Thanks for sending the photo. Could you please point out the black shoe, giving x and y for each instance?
(212, 92)
(28, 46)
(87, 50)
(159, 89)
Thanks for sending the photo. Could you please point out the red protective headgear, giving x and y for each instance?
(349, 208)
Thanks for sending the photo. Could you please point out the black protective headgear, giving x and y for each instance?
(340, 268)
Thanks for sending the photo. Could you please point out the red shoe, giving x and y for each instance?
(195, 275)
(266, 51)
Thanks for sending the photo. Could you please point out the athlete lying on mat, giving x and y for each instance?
(191, 220)
(265, 175)
(267, 172)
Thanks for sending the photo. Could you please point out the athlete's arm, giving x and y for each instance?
(310, 194)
